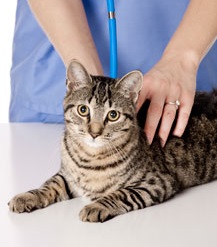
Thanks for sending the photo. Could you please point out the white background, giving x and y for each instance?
(7, 20)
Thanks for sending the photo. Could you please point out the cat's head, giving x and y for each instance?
(100, 110)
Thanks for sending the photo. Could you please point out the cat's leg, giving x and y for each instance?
(53, 190)
(125, 200)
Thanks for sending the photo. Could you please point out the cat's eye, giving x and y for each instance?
(113, 115)
(83, 110)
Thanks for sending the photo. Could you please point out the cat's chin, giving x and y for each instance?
(93, 143)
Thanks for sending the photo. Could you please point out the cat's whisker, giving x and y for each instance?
(110, 150)
(119, 151)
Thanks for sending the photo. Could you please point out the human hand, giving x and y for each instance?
(172, 78)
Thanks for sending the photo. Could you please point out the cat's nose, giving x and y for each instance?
(95, 129)
(94, 135)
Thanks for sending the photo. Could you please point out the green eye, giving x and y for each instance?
(113, 115)
(83, 110)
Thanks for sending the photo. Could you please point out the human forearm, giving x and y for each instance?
(65, 24)
(196, 32)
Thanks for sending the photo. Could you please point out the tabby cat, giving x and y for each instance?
(106, 157)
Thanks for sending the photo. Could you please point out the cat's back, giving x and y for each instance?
(202, 125)
(193, 157)
(205, 104)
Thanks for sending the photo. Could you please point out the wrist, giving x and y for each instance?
(188, 58)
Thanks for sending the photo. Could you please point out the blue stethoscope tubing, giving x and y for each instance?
(113, 39)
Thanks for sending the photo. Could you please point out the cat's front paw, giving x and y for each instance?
(95, 212)
(25, 202)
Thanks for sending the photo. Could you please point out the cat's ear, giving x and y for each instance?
(131, 84)
(77, 76)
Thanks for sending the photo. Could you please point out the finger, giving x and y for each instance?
(169, 113)
(147, 81)
(153, 116)
(141, 100)
(183, 115)
(168, 117)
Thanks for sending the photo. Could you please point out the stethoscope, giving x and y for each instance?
(112, 39)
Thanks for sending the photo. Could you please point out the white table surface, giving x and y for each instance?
(29, 154)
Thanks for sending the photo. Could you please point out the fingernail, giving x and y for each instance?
(177, 133)
(148, 139)
(162, 142)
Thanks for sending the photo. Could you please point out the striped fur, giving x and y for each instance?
(110, 161)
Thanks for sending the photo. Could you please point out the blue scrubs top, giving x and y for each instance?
(143, 27)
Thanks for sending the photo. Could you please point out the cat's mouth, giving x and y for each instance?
(93, 142)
